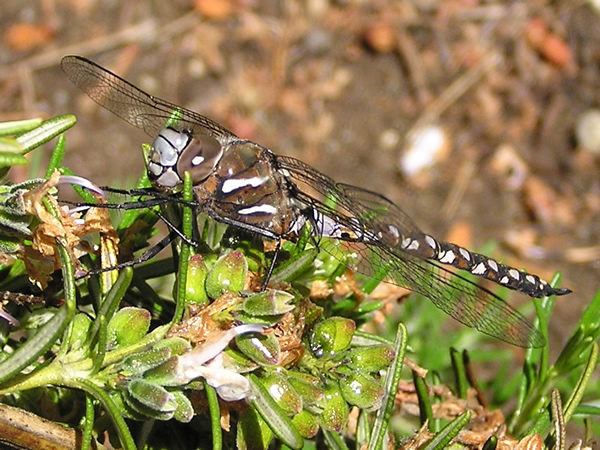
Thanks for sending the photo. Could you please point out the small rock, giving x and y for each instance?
(556, 51)
(380, 37)
(214, 9)
(549, 44)
(388, 140)
(587, 131)
(508, 165)
(425, 147)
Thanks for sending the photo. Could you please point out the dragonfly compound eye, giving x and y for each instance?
(199, 157)
(166, 151)
(167, 147)
(174, 153)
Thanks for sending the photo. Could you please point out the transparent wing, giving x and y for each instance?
(363, 219)
(135, 106)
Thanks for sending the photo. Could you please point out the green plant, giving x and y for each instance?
(172, 351)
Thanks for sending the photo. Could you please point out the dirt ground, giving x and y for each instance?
(346, 86)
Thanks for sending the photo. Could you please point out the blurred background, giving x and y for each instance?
(476, 117)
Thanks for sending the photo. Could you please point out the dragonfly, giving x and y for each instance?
(245, 185)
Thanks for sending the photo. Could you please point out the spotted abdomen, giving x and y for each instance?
(482, 266)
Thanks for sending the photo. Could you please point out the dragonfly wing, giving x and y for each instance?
(133, 105)
(350, 201)
(374, 229)
(465, 301)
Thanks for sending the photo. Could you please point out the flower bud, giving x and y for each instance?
(152, 396)
(307, 386)
(331, 336)
(167, 374)
(185, 411)
(282, 392)
(362, 390)
(127, 326)
(371, 359)
(261, 348)
(267, 303)
(196, 281)
(335, 409)
(138, 363)
(306, 423)
(79, 331)
(227, 275)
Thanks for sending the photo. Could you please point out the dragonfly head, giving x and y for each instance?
(175, 152)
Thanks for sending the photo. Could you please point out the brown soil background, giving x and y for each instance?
(340, 84)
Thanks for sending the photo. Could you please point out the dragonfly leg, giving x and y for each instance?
(173, 229)
(148, 254)
(265, 282)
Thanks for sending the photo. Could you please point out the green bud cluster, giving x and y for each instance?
(333, 376)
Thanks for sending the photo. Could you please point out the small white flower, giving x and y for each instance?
(10, 319)
(206, 361)
(84, 183)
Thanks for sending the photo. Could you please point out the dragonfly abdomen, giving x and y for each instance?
(482, 266)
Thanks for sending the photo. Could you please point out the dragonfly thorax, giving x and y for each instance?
(175, 152)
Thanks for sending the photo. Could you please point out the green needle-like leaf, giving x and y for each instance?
(49, 333)
(58, 155)
(48, 130)
(111, 408)
(18, 126)
(390, 387)
(215, 417)
(449, 432)
(582, 383)
(35, 346)
(425, 408)
(184, 257)
(281, 425)
(460, 373)
(88, 422)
